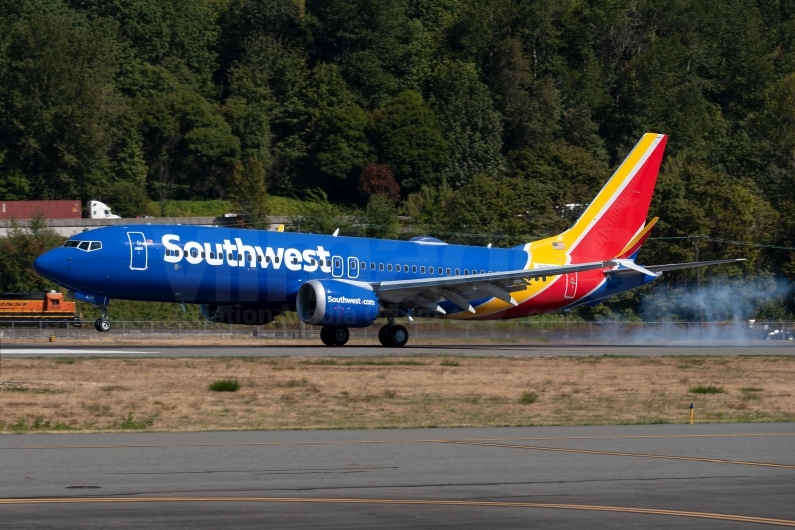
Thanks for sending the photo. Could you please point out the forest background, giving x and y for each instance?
(481, 121)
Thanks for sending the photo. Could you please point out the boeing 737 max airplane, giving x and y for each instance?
(249, 276)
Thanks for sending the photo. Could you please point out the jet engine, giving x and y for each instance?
(333, 302)
(238, 314)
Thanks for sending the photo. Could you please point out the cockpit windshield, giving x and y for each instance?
(88, 246)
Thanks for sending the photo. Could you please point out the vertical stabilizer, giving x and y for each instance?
(617, 216)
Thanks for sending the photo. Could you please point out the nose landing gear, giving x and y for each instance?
(102, 324)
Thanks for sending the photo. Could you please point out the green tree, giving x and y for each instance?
(569, 175)
(336, 134)
(409, 140)
(370, 41)
(248, 192)
(179, 35)
(17, 252)
(273, 79)
(125, 198)
(471, 126)
(380, 218)
(322, 217)
(189, 147)
(60, 102)
(503, 211)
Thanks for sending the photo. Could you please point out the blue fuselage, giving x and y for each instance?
(209, 265)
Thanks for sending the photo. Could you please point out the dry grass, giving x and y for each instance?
(388, 392)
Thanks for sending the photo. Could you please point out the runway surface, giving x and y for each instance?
(783, 348)
(663, 476)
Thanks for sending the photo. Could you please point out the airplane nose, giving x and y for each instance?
(49, 264)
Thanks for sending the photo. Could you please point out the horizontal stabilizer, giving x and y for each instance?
(670, 267)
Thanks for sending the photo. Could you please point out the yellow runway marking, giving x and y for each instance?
(616, 453)
(354, 442)
(410, 502)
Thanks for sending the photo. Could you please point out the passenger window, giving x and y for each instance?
(466, 272)
(353, 265)
(83, 245)
(362, 266)
(458, 272)
(259, 259)
(95, 245)
(422, 270)
(267, 259)
(482, 272)
(229, 256)
(389, 267)
(448, 271)
(380, 266)
(440, 271)
(405, 268)
(276, 259)
(194, 253)
(413, 268)
(372, 266)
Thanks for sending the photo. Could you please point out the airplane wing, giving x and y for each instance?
(659, 269)
(459, 290)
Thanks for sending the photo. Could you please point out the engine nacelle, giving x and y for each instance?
(333, 302)
(238, 314)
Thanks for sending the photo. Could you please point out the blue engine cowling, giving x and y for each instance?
(333, 302)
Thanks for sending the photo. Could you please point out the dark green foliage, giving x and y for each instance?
(249, 194)
(380, 218)
(224, 385)
(125, 198)
(513, 209)
(17, 252)
(60, 102)
(528, 398)
(409, 140)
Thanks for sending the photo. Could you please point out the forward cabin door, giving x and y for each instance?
(571, 285)
(139, 253)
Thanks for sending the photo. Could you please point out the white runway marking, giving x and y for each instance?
(56, 351)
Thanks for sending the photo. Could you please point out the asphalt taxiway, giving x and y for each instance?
(488, 350)
(656, 476)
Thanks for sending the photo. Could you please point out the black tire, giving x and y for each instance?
(383, 336)
(340, 335)
(104, 325)
(325, 336)
(398, 336)
(96, 325)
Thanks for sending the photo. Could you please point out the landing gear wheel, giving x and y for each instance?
(104, 325)
(325, 336)
(398, 336)
(96, 324)
(383, 336)
(340, 335)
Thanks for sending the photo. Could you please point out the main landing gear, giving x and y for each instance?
(334, 335)
(393, 336)
(102, 324)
